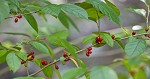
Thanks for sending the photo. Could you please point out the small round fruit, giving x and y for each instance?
(23, 62)
(16, 20)
(19, 16)
(97, 38)
(133, 33)
(87, 54)
(56, 67)
(113, 36)
(146, 29)
(89, 48)
(65, 54)
(43, 62)
(98, 42)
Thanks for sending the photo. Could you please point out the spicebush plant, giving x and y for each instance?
(135, 61)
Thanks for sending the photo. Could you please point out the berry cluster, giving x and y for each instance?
(30, 57)
(17, 18)
(67, 58)
(89, 51)
(44, 62)
(98, 40)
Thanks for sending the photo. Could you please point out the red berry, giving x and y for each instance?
(56, 67)
(19, 16)
(146, 29)
(113, 36)
(97, 38)
(65, 54)
(16, 20)
(23, 62)
(43, 62)
(47, 78)
(87, 54)
(31, 53)
(98, 42)
(30, 58)
(67, 59)
(133, 33)
(89, 48)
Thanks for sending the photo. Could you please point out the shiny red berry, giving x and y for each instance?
(113, 36)
(67, 59)
(16, 20)
(87, 54)
(133, 33)
(43, 62)
(19, 16)
(89, 48)
(97, 38)
(146, 29)
(56, 67)
(30, 58)
(65, 54)
(98, 42)
(29, 54)
(23, 62)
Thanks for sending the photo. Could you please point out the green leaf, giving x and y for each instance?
(135, 48)
(33, 7)
(75, 10)
(48, 71)
(53, 39)
(93, 13)
(13, 62)
(88, 39)
(118, 40)
(66, 20)
(15, 2)
(51, 52)
(73, 73)
(3, 54)
(29, 78)
(103, 72)
(107, 38)
(113, 7)
(141, 74)
(4, 10)
(31, 20)
(22, 55)
(138, 11)
(40, 47)
(52, 9)
(69, 47)
(105, 9)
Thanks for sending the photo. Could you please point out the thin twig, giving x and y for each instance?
(22, 14)
(44, 67)
(147, 17)
(79, 52)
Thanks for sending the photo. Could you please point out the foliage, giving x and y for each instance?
(135, 59)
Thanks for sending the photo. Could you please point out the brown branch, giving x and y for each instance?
(44, 67)
(79, 52)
